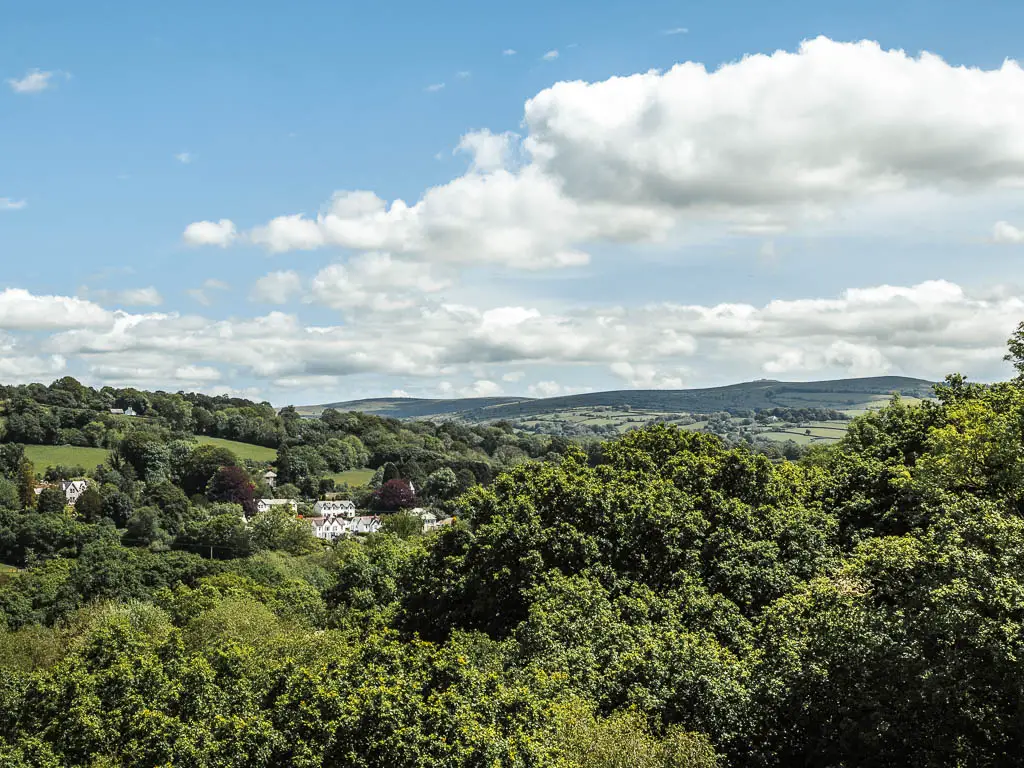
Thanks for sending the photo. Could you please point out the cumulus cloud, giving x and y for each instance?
(554, 389)
(24, 311)
(518, 219)
(481, 388)
(513, 376)
(434, 87)
(1004, 232)
(823, 124)
(221, 233)
(130, 297)
(550, 55)
(374, 281)
(34, 81)
(490, 152)
(277, 288)
(10, 204)
(646, 376)
(756, 146)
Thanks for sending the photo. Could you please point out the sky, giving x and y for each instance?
(311, 202)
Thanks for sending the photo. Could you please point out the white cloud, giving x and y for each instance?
(482, 388)
(23, 311)
(926, 330)
(434, 87)
(772, 135)
(1004, 232)
(277, 288)
(34, 81)
(509, 52)
(374, 281)
(757, 146)
(676, 31)
(220, 233)
(184, 157)
(513, 376)
(554, 389)
(646, 376)
(130, 297)
(490, 152)
(399, 393)
(10, 204)
(550, 55)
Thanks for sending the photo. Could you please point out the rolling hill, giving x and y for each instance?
(850, 395)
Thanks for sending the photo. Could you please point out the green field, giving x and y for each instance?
(241, 450)
(44, 456)
(353, 476)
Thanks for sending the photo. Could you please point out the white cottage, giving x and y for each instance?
(365, 524)
(73, 489)
(344, 508)
(262, 505)
(270, 477)
(329, 527)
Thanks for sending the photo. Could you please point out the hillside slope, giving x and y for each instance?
(839, 394)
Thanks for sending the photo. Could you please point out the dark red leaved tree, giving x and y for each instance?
(394, 495)
(232, 485)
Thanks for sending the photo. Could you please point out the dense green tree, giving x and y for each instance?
(90, 505)
(51, 500)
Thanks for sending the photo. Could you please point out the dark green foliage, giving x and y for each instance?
(51, 500)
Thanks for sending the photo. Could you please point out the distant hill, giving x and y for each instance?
(851, 395)
(410, 407)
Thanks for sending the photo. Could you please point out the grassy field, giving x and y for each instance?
(241, 450)
(353, 476)
(44, 456)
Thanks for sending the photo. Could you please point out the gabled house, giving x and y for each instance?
(72, 489)
(270, 477)
(329, 527)
(342, 507)
(365, 524)
(262, 505)
(117, 411)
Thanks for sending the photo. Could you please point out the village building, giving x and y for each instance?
(329, 527)
(270, 477)
(73, 489)
(365, 524)
(262, 505)
(342, 507)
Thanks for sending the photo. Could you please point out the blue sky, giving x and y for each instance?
(156, 118)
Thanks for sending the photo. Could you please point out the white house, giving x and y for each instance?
(262, 505)
(123, 412)
(129, 411)
(117, 411)
(329, 527)
(344, 508)
(365, 524)
(429, 518)
(72, 489)
(270, 476)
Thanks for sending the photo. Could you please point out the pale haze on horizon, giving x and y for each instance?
(316, 202)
